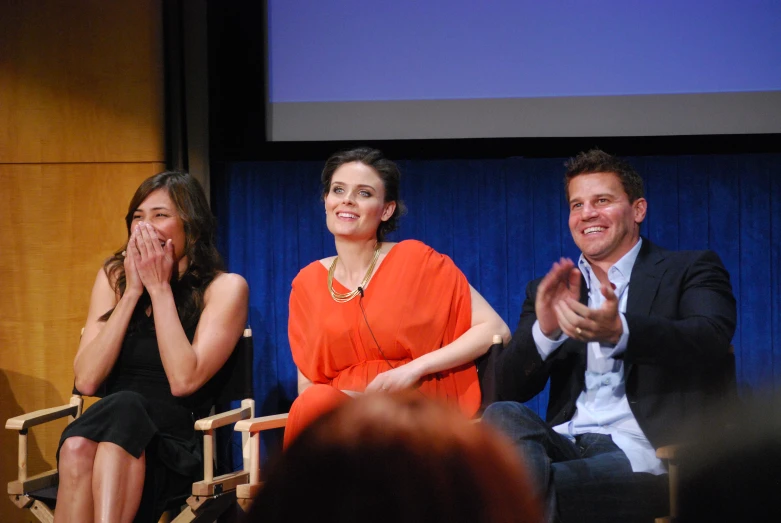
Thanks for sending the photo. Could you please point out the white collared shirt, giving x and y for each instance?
(602, 406)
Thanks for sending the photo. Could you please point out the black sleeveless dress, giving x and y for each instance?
(139, 413)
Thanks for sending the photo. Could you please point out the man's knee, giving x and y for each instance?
(506, 414)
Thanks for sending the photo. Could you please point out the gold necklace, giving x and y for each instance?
(345, 297)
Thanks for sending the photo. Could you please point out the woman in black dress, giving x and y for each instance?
(163, 319)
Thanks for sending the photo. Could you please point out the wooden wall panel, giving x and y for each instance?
(81, 125)
(58, 222)
(80, 81)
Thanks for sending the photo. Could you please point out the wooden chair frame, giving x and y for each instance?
(210, 496)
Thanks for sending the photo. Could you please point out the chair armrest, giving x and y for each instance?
(254, 426)
(25, 421)
(222, 419)
(50, 478)
(210, 484)
(262, 423)
(668, 452)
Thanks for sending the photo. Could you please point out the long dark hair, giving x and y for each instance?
(387, 171)
(205, 261)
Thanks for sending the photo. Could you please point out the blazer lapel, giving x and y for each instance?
(646, 277)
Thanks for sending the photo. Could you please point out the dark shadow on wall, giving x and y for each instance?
(38, 459)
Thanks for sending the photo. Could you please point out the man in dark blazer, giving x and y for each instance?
(632, 338)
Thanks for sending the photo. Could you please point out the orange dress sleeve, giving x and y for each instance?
(300, 323)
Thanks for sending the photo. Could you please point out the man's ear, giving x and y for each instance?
(640, 206)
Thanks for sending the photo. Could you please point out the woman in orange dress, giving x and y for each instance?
(381, 316)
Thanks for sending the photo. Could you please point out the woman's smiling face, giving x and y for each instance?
(355, 204)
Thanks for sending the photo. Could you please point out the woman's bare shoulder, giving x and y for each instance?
(227, 282)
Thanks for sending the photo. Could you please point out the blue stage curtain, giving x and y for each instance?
(504, 222)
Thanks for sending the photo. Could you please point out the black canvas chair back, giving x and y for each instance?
(727, 374)
(233, 380)
(486, 372)
(234, 383)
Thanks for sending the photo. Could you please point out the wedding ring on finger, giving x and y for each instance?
(578, 330)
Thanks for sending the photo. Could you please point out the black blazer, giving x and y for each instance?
(681, 316)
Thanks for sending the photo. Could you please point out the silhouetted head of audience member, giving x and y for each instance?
(397, 458)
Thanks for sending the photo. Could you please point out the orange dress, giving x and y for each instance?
(416, 302)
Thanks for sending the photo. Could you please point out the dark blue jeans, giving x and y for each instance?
(588, 480)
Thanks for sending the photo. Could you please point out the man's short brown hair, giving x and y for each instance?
(598, 161)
